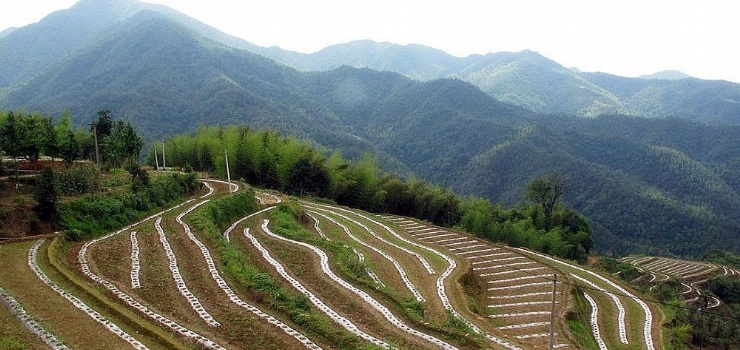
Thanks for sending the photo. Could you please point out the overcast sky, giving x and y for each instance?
(623, 37)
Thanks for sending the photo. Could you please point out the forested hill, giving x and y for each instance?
(672, 183)
(650, 186)
(531, 80)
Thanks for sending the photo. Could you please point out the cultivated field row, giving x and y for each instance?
(174, 291)
(691, 274)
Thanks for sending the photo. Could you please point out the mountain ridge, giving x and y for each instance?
(628, 174)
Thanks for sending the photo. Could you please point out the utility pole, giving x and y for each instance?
(156, 158)
(552, 311)
(228, 174)
(95, 133)
(164, 162)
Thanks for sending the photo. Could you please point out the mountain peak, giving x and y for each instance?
(666, 75)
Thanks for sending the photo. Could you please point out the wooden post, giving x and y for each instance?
(228, 174)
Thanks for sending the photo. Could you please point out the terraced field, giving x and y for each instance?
(355, 279)
(691, 274)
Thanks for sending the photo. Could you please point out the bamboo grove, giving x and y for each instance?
(268, 160)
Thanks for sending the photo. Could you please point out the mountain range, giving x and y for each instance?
(655, 166)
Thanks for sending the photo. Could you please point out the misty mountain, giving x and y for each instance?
(28, 51)
(533, 81)
(664, 185)
(666, 75)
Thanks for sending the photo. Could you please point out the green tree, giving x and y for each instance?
(46, 195)
(547, 192)
(104, 125)
(12, 138)
(309, 175)
(139, 176)
(123, 144)
(68, 148)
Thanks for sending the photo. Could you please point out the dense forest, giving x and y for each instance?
(268, 160)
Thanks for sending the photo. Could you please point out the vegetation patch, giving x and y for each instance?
(91, 216)
(216, 216)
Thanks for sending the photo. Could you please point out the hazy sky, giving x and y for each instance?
(623, 37)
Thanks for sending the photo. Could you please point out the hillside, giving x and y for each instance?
(649, 186)
(234, 268)
(535, 82)
(672, 183)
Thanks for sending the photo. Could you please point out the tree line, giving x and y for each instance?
(266, 159)
(30, 136)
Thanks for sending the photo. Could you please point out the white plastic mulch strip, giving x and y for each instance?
(477, 251)
(538, 335)
(595, 322)
(34, 327)
(435, 236)
(347, 324)
(523, 278)
(227, 233)
(469, 247)
(498, 260)
(621, 318)
(525, 303)
(489, 256)
(317, 226)
(211, 190)
(366, 297)
(235, 298)
(418, 256)
(509, 272)
(135, 264)
(369, 272)
(524, 325)
(514, 296)
(233, 186)
(535, 284)
(407, 282)
(648, 326)
(451, 266)
(112, 327)
(177, 276)
(456, 237)
(520, 314)
(130, 300)
(468, 241)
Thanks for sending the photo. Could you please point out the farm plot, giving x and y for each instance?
(444, 292)
(635, 320)
(407, 293)
(180, 278)
(518, 290)
(691, 274)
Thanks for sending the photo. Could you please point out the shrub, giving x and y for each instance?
(94, 215)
